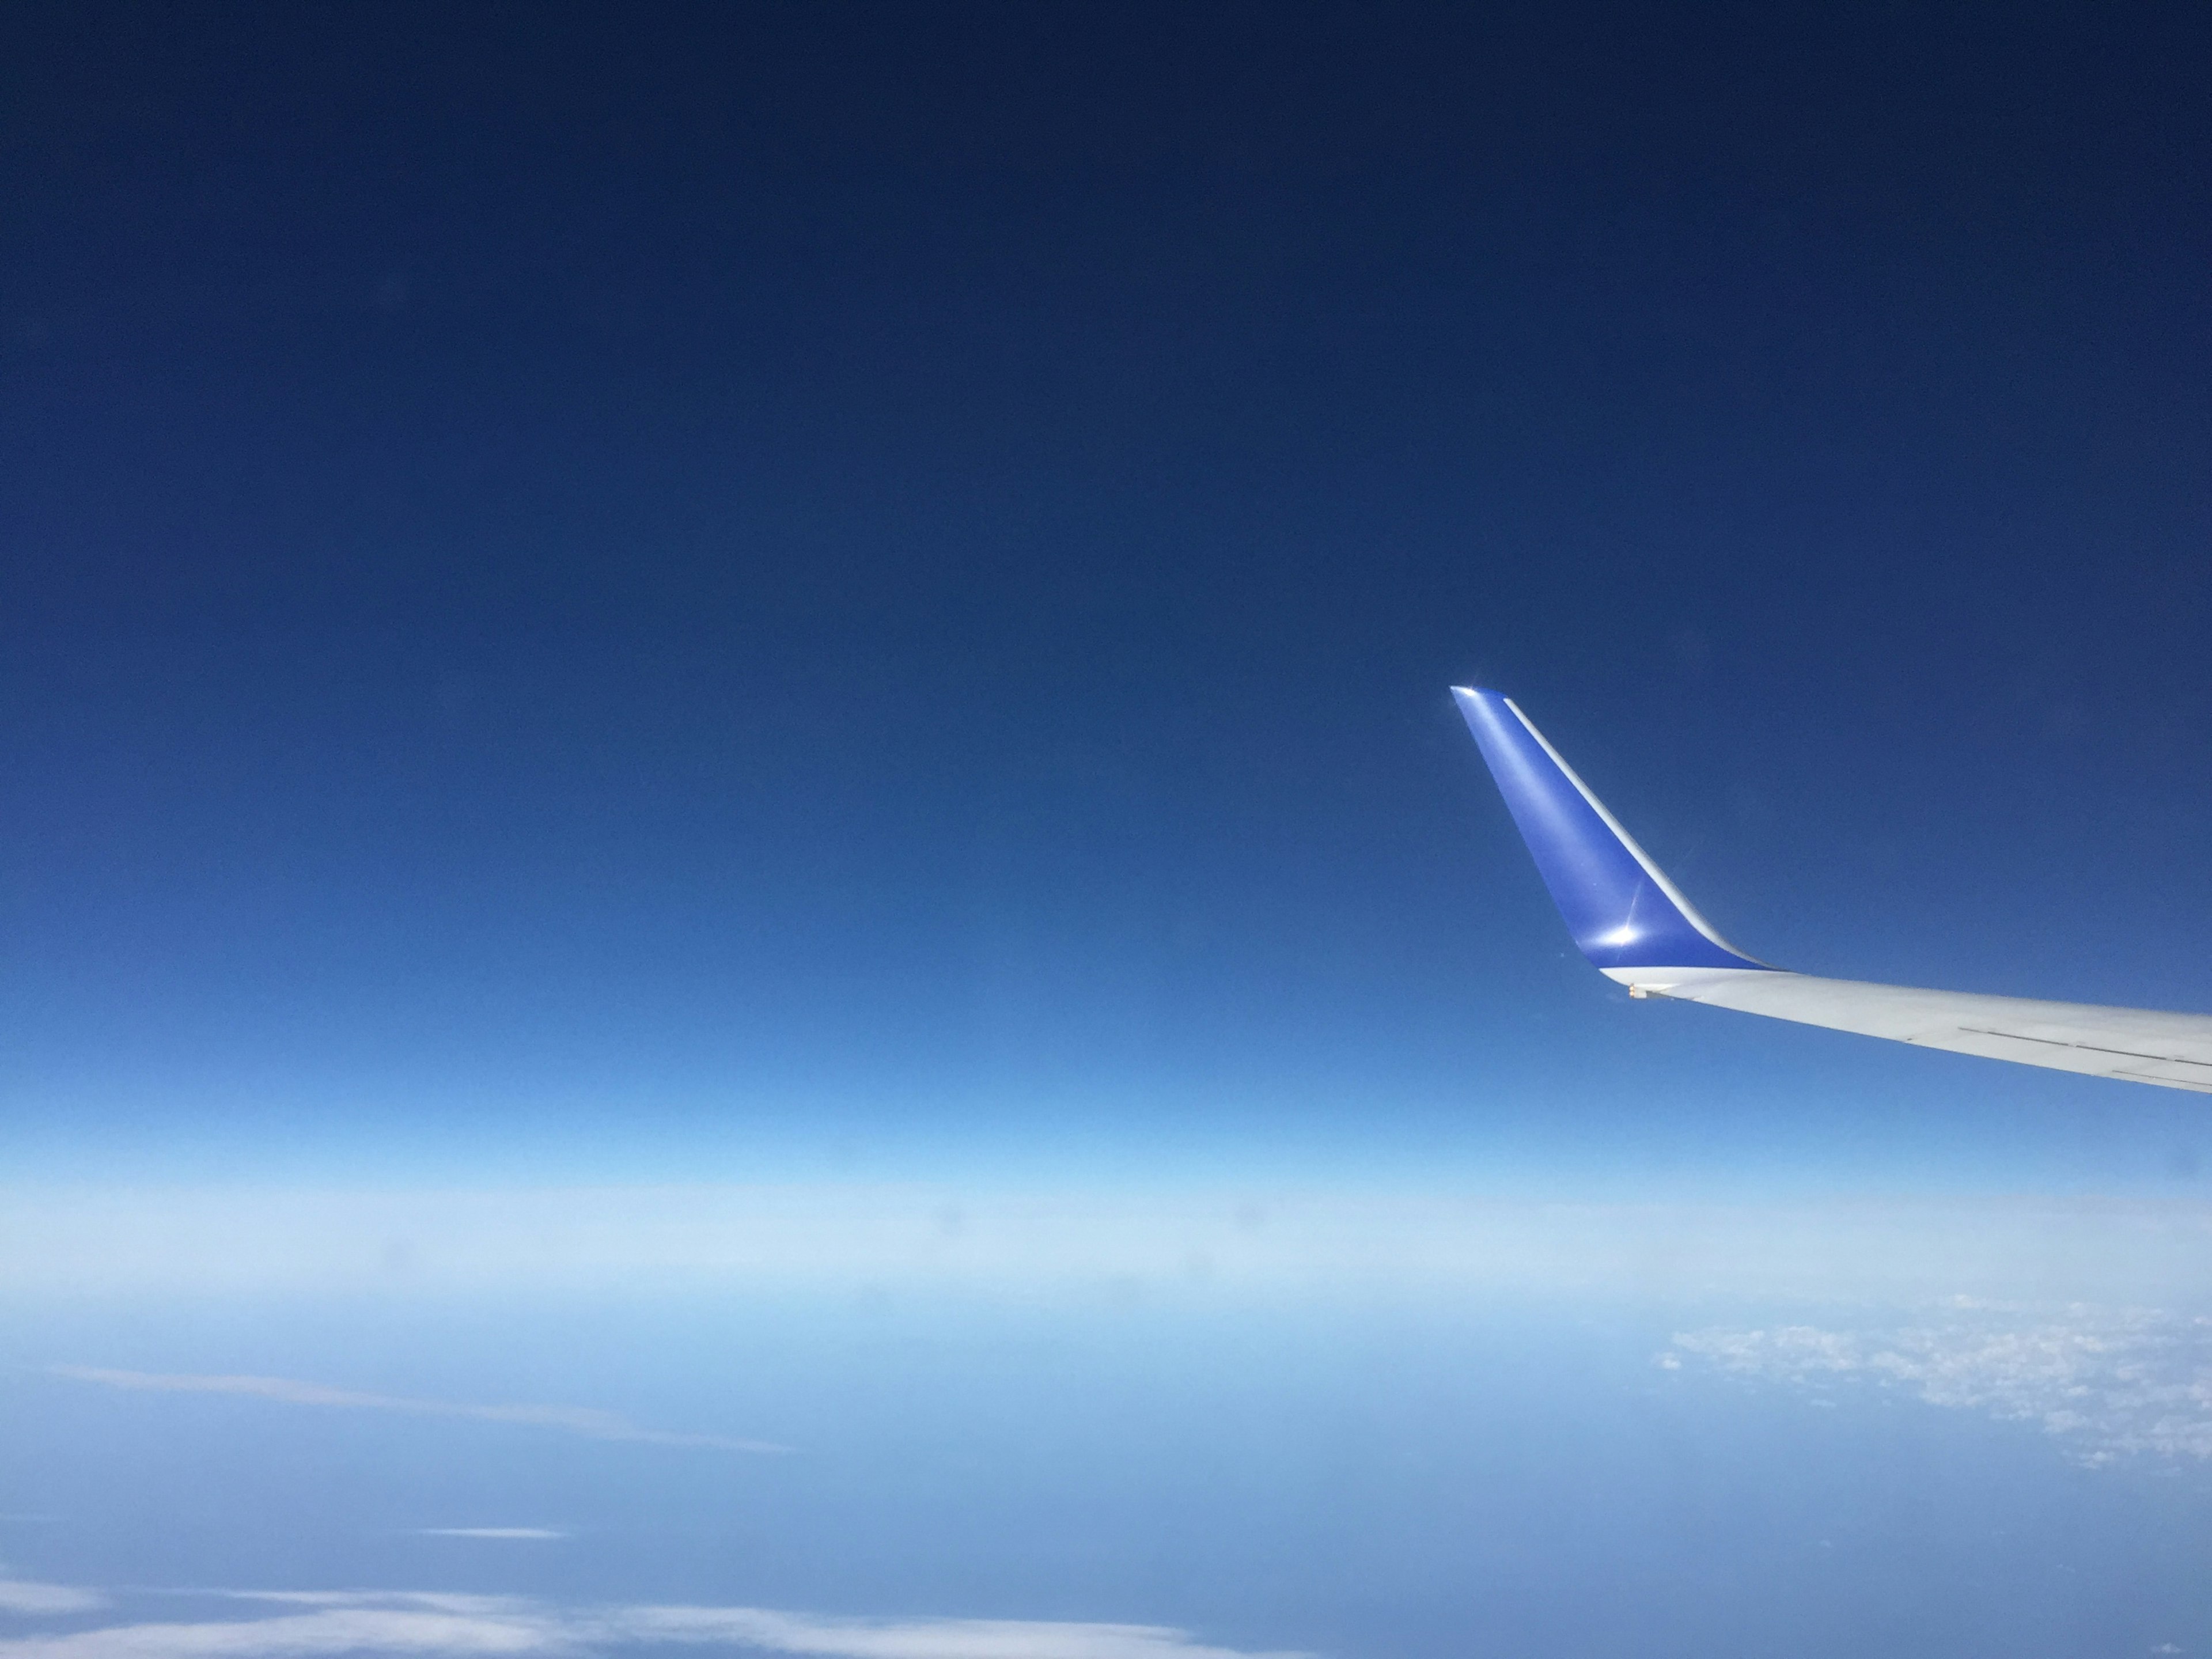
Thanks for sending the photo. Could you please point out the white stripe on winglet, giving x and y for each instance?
(1658, 877)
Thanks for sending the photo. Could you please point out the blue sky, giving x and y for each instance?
(738, 601)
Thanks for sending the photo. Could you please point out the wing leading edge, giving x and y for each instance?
(1637, 928)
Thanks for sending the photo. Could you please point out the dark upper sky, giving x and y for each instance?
(886, 575)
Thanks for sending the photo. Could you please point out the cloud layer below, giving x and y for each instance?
(2111, 1383)
(442, 1625)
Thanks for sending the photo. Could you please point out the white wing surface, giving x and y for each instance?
(1636, 926)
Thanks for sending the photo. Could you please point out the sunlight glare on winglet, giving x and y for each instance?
(1637, 929)
(1627, 916)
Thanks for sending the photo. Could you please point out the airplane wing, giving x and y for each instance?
(1636, 926)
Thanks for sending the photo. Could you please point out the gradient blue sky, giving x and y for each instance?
(835, 592)
(727, 726)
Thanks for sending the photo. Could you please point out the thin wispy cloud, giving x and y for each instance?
(584, 1421)
(772, 1632)
(337, 1630)
(27, 1595)
(456, 1601)
(488, 1532)
(2110, 1382)
(444, 1625)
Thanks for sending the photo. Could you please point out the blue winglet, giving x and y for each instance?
(1621, 910)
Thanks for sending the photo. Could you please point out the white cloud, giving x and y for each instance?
(326, 1631)
(768, 1631)
(488, 1532)
(2110, 1382)
(575, 1420)
(24, 1595)
(475, 1627)
(433, 1601)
